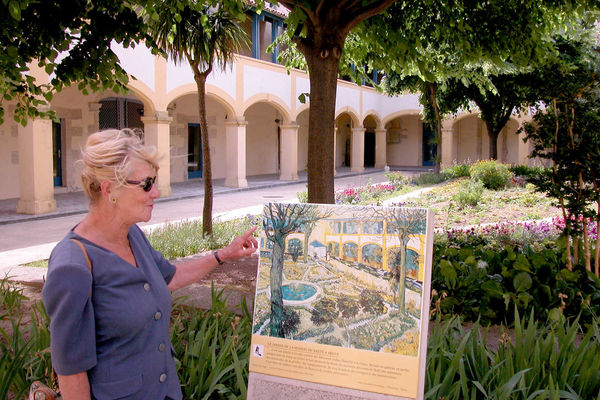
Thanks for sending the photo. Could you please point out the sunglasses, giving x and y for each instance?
(146, 184)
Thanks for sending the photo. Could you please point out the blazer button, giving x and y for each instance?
(146, 286)
(157, 315)
(161, 347)
(163, 377)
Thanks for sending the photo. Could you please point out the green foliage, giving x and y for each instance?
(469, 194)
(396, 178)
(324, 311)
(492, 174)
(458, 170)
(185, 238)
(302, 196)
(479, 278)
(430, 178)
(528, 172)
(567, 133)
(23, 345)
(541, 362)
(371, 302)
(212, 349)
(34, 33)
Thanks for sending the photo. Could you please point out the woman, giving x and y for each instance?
(109, 321)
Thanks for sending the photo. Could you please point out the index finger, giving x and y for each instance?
(250, 231)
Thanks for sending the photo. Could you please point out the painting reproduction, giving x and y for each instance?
(342, 296)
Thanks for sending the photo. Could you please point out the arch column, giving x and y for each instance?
(289, 152)
(380, 148)
(36, 183)
(448, 143)
(523, 148)
(235, 147)
(357, 160)
(156, 133)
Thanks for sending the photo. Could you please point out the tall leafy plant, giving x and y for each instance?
(567, 132)
(203, 34)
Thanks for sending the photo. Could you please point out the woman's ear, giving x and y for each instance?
(107, 189)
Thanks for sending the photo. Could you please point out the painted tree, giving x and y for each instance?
(291, 322)
(348, 308)
(405, 223)
(371, 302)
(34, 33)
(281, 219)
(324, 312)
(204, 35)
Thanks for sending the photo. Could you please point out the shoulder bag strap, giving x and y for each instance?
(89, 262)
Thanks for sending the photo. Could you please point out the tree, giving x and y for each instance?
(34, 33)
(319, 29)
(510, 93)
(202, 35)
(348, 308)
(281, 219)
(411, 38)
(291, 322)
(566, 131)
(433, 46)
(371, 302)
(324, 312)
(404, 222)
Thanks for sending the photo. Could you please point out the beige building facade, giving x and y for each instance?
(256, 126)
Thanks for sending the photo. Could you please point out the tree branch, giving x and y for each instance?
(361, 13)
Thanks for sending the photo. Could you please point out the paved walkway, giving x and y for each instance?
(27, 238)
(24, 239)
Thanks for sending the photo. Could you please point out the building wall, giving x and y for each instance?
(9, 155)
(261, 139)
(404, 141)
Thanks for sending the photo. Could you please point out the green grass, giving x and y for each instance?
(37, 264)
(185, 238)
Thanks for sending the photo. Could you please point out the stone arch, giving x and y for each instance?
(404, 139)
(274, 101)
(214, 92)
(398, 114)
(344, 123)
(351, 112)
(263, 137)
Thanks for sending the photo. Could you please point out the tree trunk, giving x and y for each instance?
(493, 139)
(206, 166)
(402, 284)
(323, 69)
(438, 128)
(276, 274)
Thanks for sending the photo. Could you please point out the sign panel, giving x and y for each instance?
(342, 296)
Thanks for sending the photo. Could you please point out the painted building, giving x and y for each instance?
(257, 125)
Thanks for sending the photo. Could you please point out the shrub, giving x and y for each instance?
(484, 273)
(396, 178)
(469, 194)
(493, 174)
(458, 170)
(526, 171)
(430, 178)
(302, 196)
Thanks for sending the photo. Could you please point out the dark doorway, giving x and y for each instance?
(57, 153)
(369, 149)
(429, 146)
(194, 151)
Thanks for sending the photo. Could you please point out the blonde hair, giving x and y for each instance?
(108, 156)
